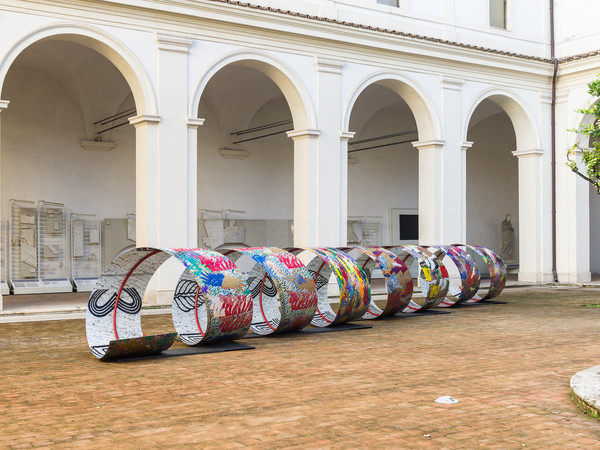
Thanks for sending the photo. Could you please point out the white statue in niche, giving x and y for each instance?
(508, 239)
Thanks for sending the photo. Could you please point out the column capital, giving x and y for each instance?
(173, 43)
(304, 134)
(528, 153)
(454, 84)
(347, 135)
(423, 145)
(329, 65)
(466, 145)
(3, 104)
(144, 119)
(195, 122)
(562, 97)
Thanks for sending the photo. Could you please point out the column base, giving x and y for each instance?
(583, 277)
(534, 277)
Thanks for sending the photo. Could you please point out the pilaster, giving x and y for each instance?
(3, 106)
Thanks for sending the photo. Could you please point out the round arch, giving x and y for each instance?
(420, 105)
(582, 120)
(526, 130)
(95, 39)
(294, 91)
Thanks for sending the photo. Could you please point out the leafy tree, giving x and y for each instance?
(590, 156)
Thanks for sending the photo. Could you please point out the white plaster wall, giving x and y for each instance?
(577, 26)
(461, 20)
(492, 181)
(41, 155)
(594, 231)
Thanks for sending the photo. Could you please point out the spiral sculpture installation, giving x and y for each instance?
(281, 291)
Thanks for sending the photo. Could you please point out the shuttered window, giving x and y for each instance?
(498, 13)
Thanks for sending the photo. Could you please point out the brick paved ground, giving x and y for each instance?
(509, 365)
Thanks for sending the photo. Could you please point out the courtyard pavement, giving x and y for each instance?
(508, 364)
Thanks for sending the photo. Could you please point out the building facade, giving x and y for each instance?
(312, 111)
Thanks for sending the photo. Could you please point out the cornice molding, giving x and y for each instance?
(144, 119)
(381, 30)
(218, 21)
(466, 145)
(304, 134)
(451, 83)
(329, 65)
(173, 43)
(347, 135)
(528, 153)
(195, 122)
(424, 145)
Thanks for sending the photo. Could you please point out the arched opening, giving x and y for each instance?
(383, 169)
(66, 139)
(245, 158)
(493, 181)
(594, 205)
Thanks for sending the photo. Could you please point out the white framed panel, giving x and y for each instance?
(404, 226)
(86, 248)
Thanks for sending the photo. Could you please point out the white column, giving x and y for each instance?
(572, 205)
(306, 198)
(454, 214)
(431, 195)
(166, 207)
(164, 175)
(332, 164)
(147, 205)
(321, 166)
(193, 124)
(532, 216)
(345, 136)
(442, 175)
(3, 106)
(466, 145)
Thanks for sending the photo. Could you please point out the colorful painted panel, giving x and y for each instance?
(493, 284)
(398, 282)
(113, 315)
(465, 285)
(354, 290)
(283, 293)
(212, 301)
(140, 346)
(431, 276)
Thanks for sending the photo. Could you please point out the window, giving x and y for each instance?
(498, 13)
(388, 2)
(404, 226)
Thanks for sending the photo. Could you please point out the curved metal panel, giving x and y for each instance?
(430, 275)
(283, 293)
(354, 290)
(465, 286)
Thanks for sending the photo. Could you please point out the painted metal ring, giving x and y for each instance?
(464, 286)
(354, 290)
(398, 282)
(113, 322)
(430, 275)
(493, 278)
(283, 293)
